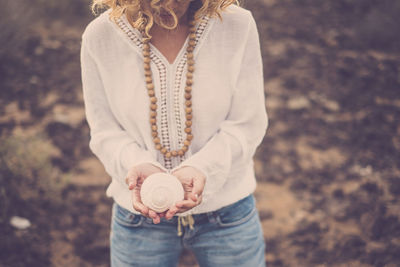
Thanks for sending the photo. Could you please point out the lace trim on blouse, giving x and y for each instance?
(135, 37)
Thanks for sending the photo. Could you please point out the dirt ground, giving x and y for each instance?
(328, 168)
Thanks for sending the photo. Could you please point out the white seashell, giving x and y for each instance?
(160, 191)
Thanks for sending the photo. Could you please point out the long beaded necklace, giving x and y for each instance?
(188, 94)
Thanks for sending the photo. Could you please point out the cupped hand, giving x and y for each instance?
(193, 182)
(134, 179)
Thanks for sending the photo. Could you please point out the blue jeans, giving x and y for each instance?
(230, 236)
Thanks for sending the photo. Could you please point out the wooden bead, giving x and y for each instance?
(146, 53)
(153, 99)
(190, 62)
(188, 96)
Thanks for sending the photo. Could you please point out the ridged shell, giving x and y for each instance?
(160, 191)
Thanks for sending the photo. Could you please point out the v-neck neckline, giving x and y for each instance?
(129, 31)
(178, 56)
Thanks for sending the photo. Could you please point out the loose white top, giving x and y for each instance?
(229, 116)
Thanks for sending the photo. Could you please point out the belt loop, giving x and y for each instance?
(212, 216)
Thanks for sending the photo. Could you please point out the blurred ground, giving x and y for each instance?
(328, 168)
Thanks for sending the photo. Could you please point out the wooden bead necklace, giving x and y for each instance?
(188, 95)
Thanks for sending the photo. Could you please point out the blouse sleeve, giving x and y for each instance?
(244, 128)
(112, 145)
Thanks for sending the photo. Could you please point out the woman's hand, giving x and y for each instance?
(193, 182)
(134, 179)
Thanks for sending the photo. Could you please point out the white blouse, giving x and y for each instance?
(229, 116)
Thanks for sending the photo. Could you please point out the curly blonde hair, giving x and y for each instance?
(140, 13)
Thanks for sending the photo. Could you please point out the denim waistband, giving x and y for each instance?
(212, 215)
(239, 206)
(245, 203)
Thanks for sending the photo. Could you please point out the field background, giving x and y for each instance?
(328, 168)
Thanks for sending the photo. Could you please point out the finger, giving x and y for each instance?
(154, 216)
(198, 186)
(199, 200)
(171, 212)
(181, 210)
(187, 204)
(138, 204)
(194, 196)
(141, 208)
(131, 180)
